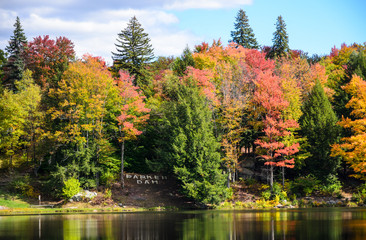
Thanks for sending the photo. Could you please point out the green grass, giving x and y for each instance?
(11, 201)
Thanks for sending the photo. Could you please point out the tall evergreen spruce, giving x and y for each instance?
(193, 147)
(14, 68)
(133, 50)
(3, 61)
(243, 33)
(318, 125)
(181, 63)
(280, 46)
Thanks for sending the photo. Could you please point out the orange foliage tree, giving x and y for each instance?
(84, 101)
(353, 148)
(233, 69)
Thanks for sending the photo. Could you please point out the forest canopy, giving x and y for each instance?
(198, 117)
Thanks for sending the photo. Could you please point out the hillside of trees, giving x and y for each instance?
(197, 117)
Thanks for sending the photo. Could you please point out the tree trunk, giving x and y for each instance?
(96, 163)
(122, 163)
(97, 179)
(235, 172)
(11, 159)
(33, 143)
(34, 152)
(271, 177)
(11, 163)
(228, 179)
(283, 176)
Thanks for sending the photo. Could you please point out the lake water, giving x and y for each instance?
(321, 223)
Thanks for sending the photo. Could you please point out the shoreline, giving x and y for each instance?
(226, 206)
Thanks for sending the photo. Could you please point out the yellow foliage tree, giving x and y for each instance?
(353, 148)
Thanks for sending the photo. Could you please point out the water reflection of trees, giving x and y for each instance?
(275, 224)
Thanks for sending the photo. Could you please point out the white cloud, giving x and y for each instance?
(205, 4)
(7, 19)
(16, 4)
(173, 43)
(146, 17)
(97, 35)
(95, 31)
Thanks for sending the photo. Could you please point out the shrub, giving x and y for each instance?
(31, 192)
(278, 193)
(71, 187)
(263, 204)
(108, 193)
(360, 196)
(295, 202)
(332, 186)
(22, 185)
(107, 178)
(266, 195)
(226, 205)
(304, 186)
(351, 204)
(250, 181)
(239, 204)
(301, 203)
(88, 183)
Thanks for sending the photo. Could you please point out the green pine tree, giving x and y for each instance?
(14, 68)
(280, 46)
(134, 51)
(181, 63)
(243, 33)
(3, 61)
(318, 125)
(191, 148)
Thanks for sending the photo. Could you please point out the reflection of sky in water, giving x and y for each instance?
(318, 223)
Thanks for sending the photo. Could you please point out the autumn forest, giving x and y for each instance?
(70, 123)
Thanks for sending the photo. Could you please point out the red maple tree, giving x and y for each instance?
(269, 97)
(133, 113)
(48, 59)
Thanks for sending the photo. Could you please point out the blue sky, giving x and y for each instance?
(314, 26)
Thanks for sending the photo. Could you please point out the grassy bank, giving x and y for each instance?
(12, 204)
(247, 194)
(35, 211)
(12, 201)
(302, 203)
